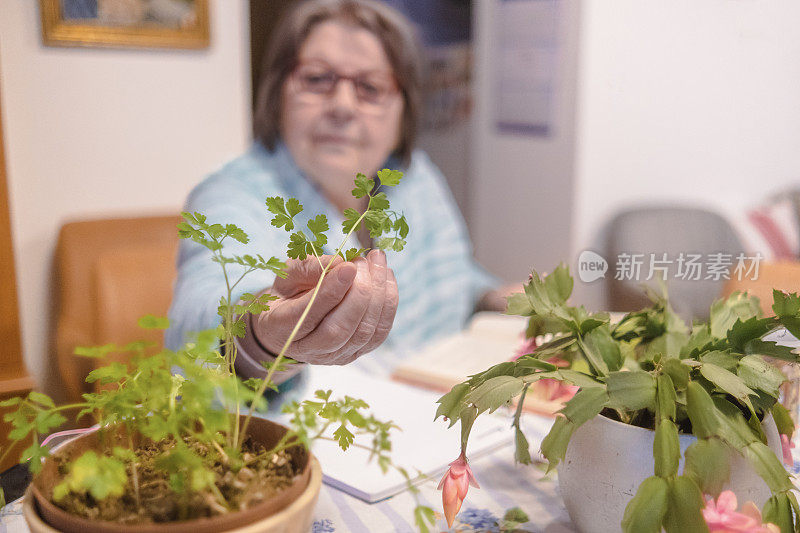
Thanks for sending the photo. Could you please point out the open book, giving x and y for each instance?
(490, 338)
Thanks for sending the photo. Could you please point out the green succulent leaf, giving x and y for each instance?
(685, 507)
(390, 178)
(708, 465)
(631, 390)
(666, 449)
(495, 392)
(647, 509)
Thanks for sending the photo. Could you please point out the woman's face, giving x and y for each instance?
(336, 127)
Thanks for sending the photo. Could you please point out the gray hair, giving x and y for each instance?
(391, 28)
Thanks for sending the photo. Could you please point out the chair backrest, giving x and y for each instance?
(784, 276)
(672, 231)
(108, 273)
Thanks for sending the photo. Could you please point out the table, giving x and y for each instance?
(503, 485)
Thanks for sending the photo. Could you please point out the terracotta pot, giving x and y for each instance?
(289, 511)
(606, 461)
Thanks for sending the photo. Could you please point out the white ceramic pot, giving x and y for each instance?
(606, 461)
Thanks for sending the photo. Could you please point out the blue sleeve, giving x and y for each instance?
(232, 196)
(449, 231)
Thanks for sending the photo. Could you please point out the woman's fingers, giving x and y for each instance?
(275, 325)
(338, 326)
(302, 275)
(366, 328)
(391, 299)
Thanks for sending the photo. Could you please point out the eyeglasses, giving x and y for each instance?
(373, 89)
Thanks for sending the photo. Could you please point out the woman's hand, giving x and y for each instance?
(351, 316)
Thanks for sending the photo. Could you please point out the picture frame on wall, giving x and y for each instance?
(125, 23)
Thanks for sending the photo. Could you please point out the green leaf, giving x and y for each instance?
(390, 178)
(35, 453)
(778, 511)
(783, 420)
(96, 352)
(726, 381)
(677, 371)
(521, 451)
(559, 285)
(515, 514)
(344, 437)
(153, 322)
(318, 225)
(495, 392)
(111, 373)
(14, 400)
(785, 304)
(378, 202)
(744, 331)
(599, 341)
(666, 397)
(768, 466)
(363, 187)
(757, 373)
(518, 304)
(771, 349)
(631, 390)
(236, 233)
(685, 507)
(585, 405)
(41, 399)
(726, 360)
(352, 253)
(293, 207)
(299, 246)
(351, 218)
(666, 449)
(726, 312)
(46, 421)
(646, 510)
(401, 227)
(708, 465)
(579, 378)
(451, 404)
(424, 517)
(554, 445)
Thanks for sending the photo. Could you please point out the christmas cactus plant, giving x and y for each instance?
(713, 380)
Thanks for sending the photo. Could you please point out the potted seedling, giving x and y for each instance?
(666, 416)
(182, 450)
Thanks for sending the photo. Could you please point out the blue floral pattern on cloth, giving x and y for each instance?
(323, 526)
(478, 519)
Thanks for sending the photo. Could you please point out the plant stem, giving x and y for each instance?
(134, 471)
(290, 339)
(230, 351)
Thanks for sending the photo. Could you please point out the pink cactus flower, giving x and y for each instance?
(722, 517)
(786, 446)
(454, 486)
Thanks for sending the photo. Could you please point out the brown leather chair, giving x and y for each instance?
(781, 275)
(109, 273)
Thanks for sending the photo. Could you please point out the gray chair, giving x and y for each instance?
(671, 230)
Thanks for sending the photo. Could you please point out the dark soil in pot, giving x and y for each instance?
(261, 487)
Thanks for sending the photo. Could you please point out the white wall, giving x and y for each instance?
(521, 192)
(689, 101)
(92, 132)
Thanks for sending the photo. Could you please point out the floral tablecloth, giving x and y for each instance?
(503, 485)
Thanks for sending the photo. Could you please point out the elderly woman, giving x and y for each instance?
(340, 95)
